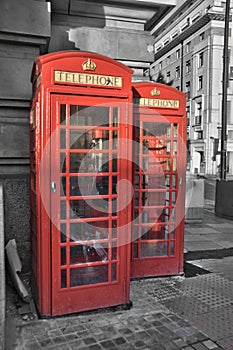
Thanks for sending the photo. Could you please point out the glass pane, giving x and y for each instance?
(62, 162)
(175, 147)
(172, 248)
(63, 114)
(83, 185)
(114, 229)
(63, 186)
(89, 208)
(172, 233)
(174, 164)
(63, 210)
(63, 233)
(91, 116)
(174, 177)
(88, 253)
(156, 129)
(155, 232)
(135, 251)
(63, 279)
(154, 249)
(63, 255)
(88, 275)
(89, 162)
(89, 231)
(168, 147)
(89, 139)
(173, 198)
(63, 138)
(114, 272)
(175, 130)
(115, 139)
(115, 117)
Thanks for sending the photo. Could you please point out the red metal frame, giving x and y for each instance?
(157, 242)
(47, 260)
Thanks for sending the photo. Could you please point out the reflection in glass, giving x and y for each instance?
(174, 164)
(88, 208)
(156, 129)
(63, 233)
(88, 253)
(175, 130)
(62, 163)
(154, 249)
(115, 139)
(83, 231)
(63, 210)
(175, 147)
(174, 177)
(155, 232)
(88, 162)
(88, 275)
(91, 116)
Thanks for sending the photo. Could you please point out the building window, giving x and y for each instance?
(188, 115)
(195, 18)
(178, 72)
(198, 117)
(177, 54)
(200, 135)
(168, 59)
(188, 47)
(200, 82)
(168, 76)
(160, 65)
(201, 59)
(202, 36)
(187, 85)
(229, 113)
(188, 66)
(174, 35)
(177, 87)
(230, 135)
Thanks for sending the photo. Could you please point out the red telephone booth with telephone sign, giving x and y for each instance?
(79, 111)
(159, 180)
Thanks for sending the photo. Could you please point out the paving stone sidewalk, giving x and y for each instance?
(150, 324)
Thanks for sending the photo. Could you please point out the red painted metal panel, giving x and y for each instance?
(72, 273)
(159, 180)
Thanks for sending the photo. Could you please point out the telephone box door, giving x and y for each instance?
(89, 265)
(159, 181)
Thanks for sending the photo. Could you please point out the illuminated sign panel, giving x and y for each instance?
(87, 79)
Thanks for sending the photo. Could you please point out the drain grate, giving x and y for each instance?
(165, 292)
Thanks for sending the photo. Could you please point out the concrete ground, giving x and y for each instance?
(188, 312)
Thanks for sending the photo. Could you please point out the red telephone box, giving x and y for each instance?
(79, 111)
(159, 180)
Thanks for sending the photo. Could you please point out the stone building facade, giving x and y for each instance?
(188, 50)
(28, 28)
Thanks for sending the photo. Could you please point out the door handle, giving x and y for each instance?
(53, 187)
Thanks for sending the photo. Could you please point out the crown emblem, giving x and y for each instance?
(155, 92)
(89, 65)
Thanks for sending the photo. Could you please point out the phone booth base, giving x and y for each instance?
(78, 114)
(159, 180)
